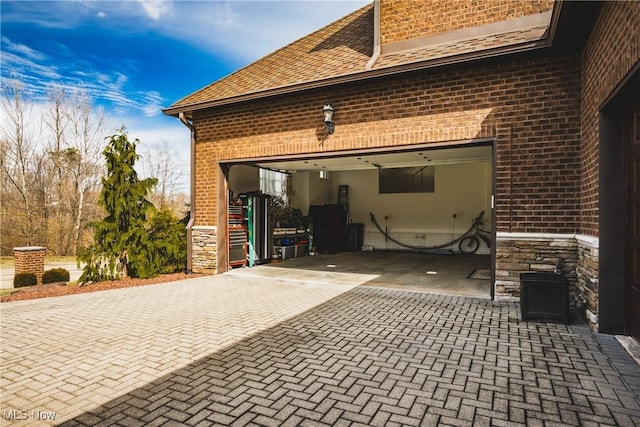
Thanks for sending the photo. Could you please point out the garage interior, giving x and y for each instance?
(400, 234)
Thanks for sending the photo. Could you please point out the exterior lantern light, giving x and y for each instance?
(328, 118)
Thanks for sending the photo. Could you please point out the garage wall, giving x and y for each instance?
(420, 219)
(309, 190)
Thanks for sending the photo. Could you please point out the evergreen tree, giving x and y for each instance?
(169, 237)
(122, 243)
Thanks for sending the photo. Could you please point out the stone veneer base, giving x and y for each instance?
(522, 252)
(204, 249)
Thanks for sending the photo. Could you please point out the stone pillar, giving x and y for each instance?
(30, 259)
(204, 250)
(587, 298)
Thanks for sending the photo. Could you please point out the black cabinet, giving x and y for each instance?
(329, 222)
(544, 296)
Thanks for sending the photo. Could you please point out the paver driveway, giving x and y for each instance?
(246, 349)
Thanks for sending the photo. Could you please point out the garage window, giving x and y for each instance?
(274, 183)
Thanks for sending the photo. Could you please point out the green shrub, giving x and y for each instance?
(55, 275)
(24, 279)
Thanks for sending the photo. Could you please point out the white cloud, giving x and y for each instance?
(156, 8)
(225, 17)
(252, 29)
(152, 103)
(40, 79)
(242, 31)
(152, 132)
(21, 49)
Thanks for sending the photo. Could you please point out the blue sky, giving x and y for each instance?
(136, 57)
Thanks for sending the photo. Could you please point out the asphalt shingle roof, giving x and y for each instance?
(460, 47)
(342, 49)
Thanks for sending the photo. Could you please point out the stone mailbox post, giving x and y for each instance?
(30, 259)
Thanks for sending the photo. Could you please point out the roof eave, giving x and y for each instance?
(363, 75)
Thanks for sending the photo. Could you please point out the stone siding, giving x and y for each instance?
(204, 250)
(518, 253)
(587, 280)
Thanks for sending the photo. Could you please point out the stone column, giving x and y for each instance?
(30, 259)
(204, 250)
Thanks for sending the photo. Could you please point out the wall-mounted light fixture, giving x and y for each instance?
(328, 118)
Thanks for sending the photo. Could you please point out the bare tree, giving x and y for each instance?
(22, 168)
(161, 161)
(55, 120)
(49, 190)
(87, 132)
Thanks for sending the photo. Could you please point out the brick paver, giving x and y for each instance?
(242, 349)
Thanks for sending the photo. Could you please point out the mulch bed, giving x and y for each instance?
(58, 289)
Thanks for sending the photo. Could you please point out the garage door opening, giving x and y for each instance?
(404, 209)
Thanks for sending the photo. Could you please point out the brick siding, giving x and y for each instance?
(427, 18)
(531, 107)
(611, 52)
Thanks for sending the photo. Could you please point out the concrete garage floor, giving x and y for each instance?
(436, 273)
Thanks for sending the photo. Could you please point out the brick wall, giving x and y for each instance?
(427, 18)
(613, 49)
(30, 259)
(531, 107)
(611, 52)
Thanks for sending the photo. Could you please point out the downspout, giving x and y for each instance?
(376, 36)
(192, 197)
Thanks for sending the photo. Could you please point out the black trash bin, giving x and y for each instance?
(544, 296)
(354, 236)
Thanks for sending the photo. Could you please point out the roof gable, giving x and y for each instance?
(346, 50)
(338, 49)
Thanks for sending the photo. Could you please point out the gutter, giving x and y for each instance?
(376, 37)
(192, 197)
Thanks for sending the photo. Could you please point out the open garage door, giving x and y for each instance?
(415, 200)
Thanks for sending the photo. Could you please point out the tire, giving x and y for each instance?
(469, 245)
